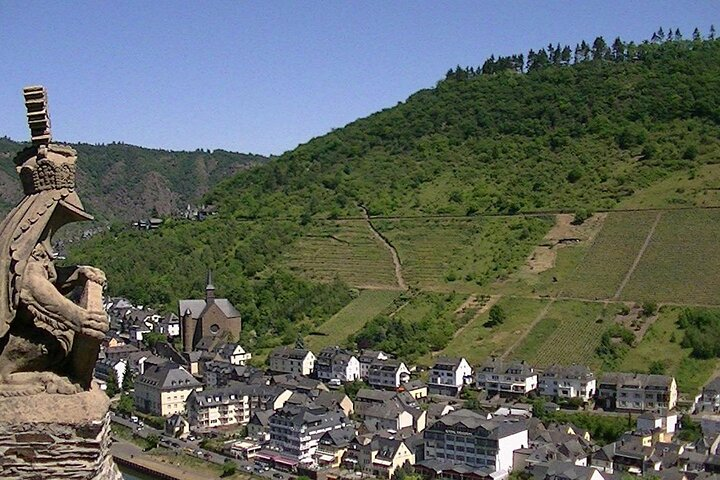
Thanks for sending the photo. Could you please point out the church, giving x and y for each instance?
(210, 319)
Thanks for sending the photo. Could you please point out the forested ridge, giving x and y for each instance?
(545, 131)
(120, 182)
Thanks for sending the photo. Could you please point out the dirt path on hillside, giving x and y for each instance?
(395, 257)
(638, 257)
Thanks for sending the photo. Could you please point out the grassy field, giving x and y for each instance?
(681, 264)
(462, 254)
(662, 343)
(569, 333)
(351, 318)
(698, 187)
(547, 283)
(610, 257)
(477, 342)
(347, 249)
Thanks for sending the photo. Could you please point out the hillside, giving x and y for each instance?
(124, 182)
(480, 192)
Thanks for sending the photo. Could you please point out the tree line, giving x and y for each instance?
(557, 55)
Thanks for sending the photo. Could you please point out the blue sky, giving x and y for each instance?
(264, 76)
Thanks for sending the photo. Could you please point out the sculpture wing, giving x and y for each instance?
(19, 233)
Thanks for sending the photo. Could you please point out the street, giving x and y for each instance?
(186, 447)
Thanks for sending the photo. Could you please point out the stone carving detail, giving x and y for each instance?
(48, 341)
(54, 421)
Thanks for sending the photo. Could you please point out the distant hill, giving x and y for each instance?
(125, 182)
(464, 185)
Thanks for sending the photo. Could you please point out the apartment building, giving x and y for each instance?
(387, 374)
(637, 392)
(574, 381)
(334, 363)
(296, 430)
(163, 389)
(467, 438)
(297, 361)
(497, 376)
(449, 375)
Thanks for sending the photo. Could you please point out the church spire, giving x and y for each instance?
(209, 288)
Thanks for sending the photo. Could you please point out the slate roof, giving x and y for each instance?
(447, 363)
(496, 428)
(639, 380)
(197, 307)
(502, 367)
(579, 372)
(168, 376)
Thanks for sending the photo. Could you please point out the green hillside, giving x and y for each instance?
(125, 182)
(464, 184)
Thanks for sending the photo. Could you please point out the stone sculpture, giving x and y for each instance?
(54, 421)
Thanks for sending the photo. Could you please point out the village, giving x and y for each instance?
(341, 414)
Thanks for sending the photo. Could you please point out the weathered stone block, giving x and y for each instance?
(52, 436)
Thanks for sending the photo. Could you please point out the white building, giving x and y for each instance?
(507, 378)
(449, 375)
(233, 404)
(297, 361)
(233, 353)
(665, 422)
(387, 374)
(334, 363)
(574, 381)
(163, 389)
(296, 430)
(467, 438)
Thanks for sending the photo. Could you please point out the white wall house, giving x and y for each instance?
(335, 363)
(507, 378)
(574, 381)
(450, 373)
(454, 439)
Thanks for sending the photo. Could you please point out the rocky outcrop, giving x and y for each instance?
(55, 436)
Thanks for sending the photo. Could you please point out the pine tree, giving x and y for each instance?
(112, 384)
(696, 35)
(670, 35)
(566, 55)
(128, 379)
(660, 34)
(712, 33)
(618, 50)
(678, 35)
(600, 49)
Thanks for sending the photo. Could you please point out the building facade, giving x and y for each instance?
(163, 389)
(297, 361)
(296, 430)
(468, 438)
(574, 381)
(506, 378)
(387, 374)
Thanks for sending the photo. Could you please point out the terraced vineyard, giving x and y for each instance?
(351, 318)
(462, 254)
(345, 249)
(611, 255)
(476, 342)
(682, 261)
(569, 333)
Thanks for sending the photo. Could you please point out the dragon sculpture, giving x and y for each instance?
(51, 317)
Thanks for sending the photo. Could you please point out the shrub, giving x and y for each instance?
(581, 215)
